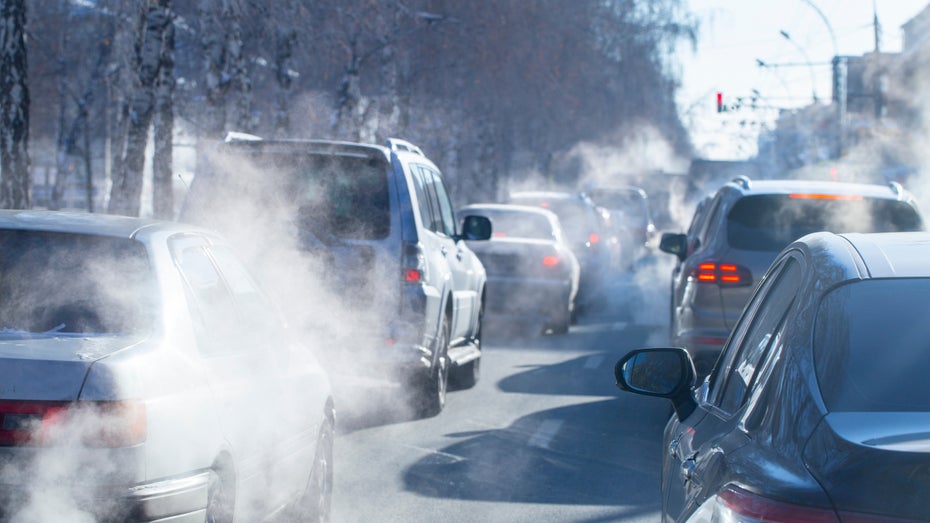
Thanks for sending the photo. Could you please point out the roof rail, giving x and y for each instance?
(233, 136)
(396, 144)
(897, 188)
(743, 181)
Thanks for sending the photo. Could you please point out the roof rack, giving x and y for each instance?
(233, 136)
(897, 188)
(743, 181)
(396, 144)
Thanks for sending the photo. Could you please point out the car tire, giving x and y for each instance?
(315, 506)
(220, 497)
(430, 396)
(562, 323)
(467, 375)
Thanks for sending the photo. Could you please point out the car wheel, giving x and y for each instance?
(561, 324)
(431, 396)
(316, 504)
(220, 497)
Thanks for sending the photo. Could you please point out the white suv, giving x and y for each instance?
(380, 222)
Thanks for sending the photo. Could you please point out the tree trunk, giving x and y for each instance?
(125, 195)
(15, 179)
(162, 182)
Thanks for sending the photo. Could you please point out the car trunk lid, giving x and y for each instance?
(873, 462)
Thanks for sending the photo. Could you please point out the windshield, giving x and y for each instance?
(872, 358)
(770, 222)
(74, 283)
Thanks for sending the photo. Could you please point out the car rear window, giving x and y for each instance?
(770, 222)
(332, 196)
(54, 282)
(519, 225)
(874, 358)
(577, 219)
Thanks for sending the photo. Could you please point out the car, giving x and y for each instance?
(147, 377)
(379, 226)
(817, 408)
(589, 237)
(532, 274)
(631, 215)
(739, 231)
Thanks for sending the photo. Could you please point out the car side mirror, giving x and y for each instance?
(674, 243)
(664, 373)
(476, 228)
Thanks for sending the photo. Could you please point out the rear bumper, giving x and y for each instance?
(176, 500)
(527, 298)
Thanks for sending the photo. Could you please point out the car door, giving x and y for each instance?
(698, 447)
(240, 375)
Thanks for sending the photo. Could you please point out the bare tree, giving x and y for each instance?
(15, 178)
(163, 130)
(154, 21)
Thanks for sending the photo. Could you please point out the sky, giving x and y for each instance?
(734, 35)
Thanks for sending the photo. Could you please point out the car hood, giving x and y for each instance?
(873, 462)
(42, 367)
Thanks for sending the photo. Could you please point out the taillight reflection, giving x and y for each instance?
(739, 505)
(722, 274)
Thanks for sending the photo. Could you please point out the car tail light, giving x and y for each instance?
(728, 274)
(737, 505)
(550, 261)
(593, 238)
(413, 264)
(92, 423)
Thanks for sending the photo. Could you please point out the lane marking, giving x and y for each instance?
(544, 434)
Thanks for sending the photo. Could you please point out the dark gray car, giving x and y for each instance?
(819, 407)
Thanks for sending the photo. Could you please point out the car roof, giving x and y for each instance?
(747, 187)
(333, 147)
(85, 223)
(513, 207)
(893, 255)
(545, 194)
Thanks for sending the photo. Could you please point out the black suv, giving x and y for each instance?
(378, 228)
(736, 234)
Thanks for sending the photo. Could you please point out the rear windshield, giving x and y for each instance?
(576, 218)
(875, 358)
(74, 283)
(507, 224)
(334, 197)
(770, 222)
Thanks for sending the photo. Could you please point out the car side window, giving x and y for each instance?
(753, 337)
(710, 219)
(423, 197)
(212, 306)
(259, 317)
(445, 205)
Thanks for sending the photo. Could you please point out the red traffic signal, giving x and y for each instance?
(720, 102)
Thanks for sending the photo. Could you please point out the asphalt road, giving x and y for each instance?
(544, 435)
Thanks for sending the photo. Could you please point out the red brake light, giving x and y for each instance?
(412, 275)
(722, 273)
(544, 204)
(95, 424)
(815, 196)
(593, 238)
(742, 505)
(550, 261)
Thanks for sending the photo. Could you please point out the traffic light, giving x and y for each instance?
(719, 102)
